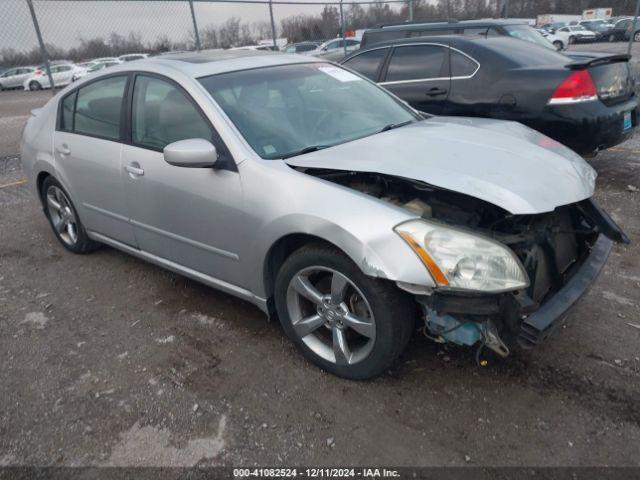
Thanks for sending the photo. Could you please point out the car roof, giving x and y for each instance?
(210, 62)
(451, 39)
(506, 47)
(448, 24)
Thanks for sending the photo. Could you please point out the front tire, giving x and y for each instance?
(64, 219)
(558, 44)
(343, 321)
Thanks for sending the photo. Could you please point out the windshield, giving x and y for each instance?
(285, 110)
(528, 34)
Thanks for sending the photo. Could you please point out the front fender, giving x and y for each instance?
(358, 224)
(377, 253)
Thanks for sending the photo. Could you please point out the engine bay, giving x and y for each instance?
(550, 246)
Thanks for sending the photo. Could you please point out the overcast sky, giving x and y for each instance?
(63, 22)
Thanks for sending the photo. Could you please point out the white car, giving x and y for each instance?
(62, 74)
(129, 57)
(336, 45)
(94, 67)
(576, 34)
(15, 77)
(559, 42)
(263, 48)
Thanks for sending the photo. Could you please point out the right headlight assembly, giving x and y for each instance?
(463, 261)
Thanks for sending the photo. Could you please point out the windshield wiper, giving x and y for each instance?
(391, 126)
(302, 151)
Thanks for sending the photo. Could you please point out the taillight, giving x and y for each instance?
(577, 87)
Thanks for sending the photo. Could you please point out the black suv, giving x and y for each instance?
(486, 28)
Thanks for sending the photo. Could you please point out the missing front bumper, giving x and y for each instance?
(537, 326)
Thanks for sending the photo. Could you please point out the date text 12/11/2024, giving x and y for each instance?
(315, 473)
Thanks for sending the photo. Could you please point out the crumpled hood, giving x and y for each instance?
(503, 163)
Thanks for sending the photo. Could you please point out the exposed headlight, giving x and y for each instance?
(460, 260)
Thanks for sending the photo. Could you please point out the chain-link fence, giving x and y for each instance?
(42, 33)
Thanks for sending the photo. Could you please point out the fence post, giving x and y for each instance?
(505, 9)
(195, 24)
(273, 24)
(410, 10)
(43, 50)
(342, 33)
(633, 28)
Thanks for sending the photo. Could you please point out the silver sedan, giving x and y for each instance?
(309, 191)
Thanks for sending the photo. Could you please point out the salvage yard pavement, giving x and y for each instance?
(108, 360)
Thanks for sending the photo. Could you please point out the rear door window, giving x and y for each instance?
(98, 108)
(416, 62)
(368, 63)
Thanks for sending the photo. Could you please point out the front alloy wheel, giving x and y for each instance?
(636, 37)
(331, 315)
(344, 321)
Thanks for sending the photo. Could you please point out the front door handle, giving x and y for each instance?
(434, 92)
(134, 170)
(63, 149)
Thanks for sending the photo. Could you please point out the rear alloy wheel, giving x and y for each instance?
(347, 323)
(35, 86)
(64, 219)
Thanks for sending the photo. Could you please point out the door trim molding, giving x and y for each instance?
(173, 236)
(188, 241)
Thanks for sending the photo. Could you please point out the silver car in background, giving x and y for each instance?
(321, 198)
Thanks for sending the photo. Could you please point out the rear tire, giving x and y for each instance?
(345, 322)
(558, 44)
(636, 37)
(34, 86)
(64, 219)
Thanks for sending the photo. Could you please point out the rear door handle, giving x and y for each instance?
(63, 149)
(434, 92)
(134, 170)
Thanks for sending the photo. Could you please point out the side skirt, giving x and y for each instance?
(234, 290)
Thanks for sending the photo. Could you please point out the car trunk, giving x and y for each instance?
(611, 75)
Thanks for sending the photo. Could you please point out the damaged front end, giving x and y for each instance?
(560, 253)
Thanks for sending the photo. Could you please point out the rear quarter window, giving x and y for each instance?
(461, 65)
(66, 114)
(368, 63)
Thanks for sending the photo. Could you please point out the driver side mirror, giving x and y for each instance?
(191, 153)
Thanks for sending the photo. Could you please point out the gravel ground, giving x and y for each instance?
(111, 361)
